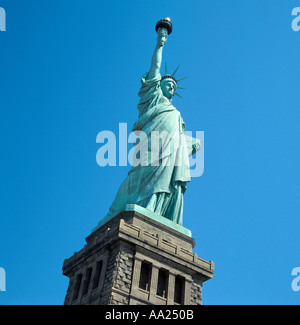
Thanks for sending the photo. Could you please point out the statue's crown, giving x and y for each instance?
(168, 76)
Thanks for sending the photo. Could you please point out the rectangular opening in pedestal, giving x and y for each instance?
(97, 274)
(162, 283)
(145, 276)
(77, 286)
(179, 290)
(87, 280)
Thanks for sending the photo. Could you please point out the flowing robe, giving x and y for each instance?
(158, 182)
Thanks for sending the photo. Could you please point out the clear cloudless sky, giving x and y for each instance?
(70, 69)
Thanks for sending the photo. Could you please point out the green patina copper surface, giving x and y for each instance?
(158, 188)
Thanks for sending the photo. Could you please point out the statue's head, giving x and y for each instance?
(168, 84)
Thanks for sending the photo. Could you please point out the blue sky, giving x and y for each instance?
(70, 69)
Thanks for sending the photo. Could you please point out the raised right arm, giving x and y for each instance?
(162, 36)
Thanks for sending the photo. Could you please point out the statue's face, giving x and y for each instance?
(168, 88)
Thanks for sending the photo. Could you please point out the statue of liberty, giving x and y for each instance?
(158, 182)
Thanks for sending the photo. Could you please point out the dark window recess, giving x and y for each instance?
(179, 290)
(145, 276)
(87, 280)
(162, 284)
(96, 278)
(77, 286)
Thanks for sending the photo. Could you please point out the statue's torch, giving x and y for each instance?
(164, 23)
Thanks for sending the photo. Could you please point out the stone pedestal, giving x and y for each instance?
(134, 260)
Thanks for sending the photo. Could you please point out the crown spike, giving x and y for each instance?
(177, 94)
(180, 79)
(180, 87)
(166, 69)
(173, 74)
